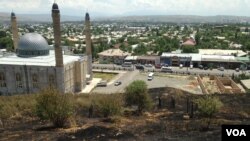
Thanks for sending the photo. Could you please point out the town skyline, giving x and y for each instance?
(100, 8)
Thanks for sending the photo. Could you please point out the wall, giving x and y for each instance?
(204, 90)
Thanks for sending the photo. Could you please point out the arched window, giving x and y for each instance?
(2, 80)
(35, 81)
(19, 83)
(51, 79)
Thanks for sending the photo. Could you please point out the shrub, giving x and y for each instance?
(137, 94)
(53, 106)
(109, 105)
(207, 107)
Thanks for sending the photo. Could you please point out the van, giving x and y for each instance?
(102, 84)
(127, 64)
(150, 76)
(166, 69)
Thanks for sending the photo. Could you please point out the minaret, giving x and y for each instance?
(14, 30)
(88, 44)
(57, 35)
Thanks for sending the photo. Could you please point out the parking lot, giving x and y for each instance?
(187, 83)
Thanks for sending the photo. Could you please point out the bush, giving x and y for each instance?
(207, 107)
(137, 94)
(109, 105)
(53, 106)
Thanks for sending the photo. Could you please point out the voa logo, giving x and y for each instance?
(236, 132)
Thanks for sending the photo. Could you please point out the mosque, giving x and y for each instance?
(35, 66)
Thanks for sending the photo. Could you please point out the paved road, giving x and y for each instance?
(193, 71)
(182, 82)
(125, 78)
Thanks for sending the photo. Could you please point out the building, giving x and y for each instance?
(207, 58)
(115, 56)
(34, 66)
(153, 60)
(189, 42)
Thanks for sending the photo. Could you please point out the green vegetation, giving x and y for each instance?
(207, 107)
(108, 105)
(6, 41)
(53, 106)
(104, 76)
(136, 93)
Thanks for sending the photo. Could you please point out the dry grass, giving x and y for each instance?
(104, 76)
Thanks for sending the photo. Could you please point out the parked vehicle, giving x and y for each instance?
(191, 66)
(102, 84)
(117, 83)
(150, 76)
(237, 69)
(127, 64)
(221, 68)
(148, 65)
(166, 69)
(139, 67)
(158, 66)
(201, 66)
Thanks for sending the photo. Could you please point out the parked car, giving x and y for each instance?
(181, 66)
(205, 68)
(158, 66)
(148, 65)
(221, 68)
(139, 67)
(191, 66)
(102, 84)
(117, 83)
(201, 66)
(237, 69)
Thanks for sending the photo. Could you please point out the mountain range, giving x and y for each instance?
(5, 17)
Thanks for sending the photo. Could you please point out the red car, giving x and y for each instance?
(158, 66)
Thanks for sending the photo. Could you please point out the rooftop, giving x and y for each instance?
(38, 60)
(114, 52)
(221, 52)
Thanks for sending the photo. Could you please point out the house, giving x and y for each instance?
(115, 56)
(189, 42)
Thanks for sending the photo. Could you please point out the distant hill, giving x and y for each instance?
(182, 19)
(5, 17)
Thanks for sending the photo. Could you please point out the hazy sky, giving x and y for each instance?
(130, 7)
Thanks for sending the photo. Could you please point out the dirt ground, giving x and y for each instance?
(162, 124)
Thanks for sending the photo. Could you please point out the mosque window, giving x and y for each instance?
(19, 83)
(2, 80)
(35, 81)
(51, 80)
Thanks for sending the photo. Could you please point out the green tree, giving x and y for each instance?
(197, 38)
(53, 106)
(207, 107)
(137, 94)
(189, 49)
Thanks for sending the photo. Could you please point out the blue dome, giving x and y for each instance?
(87, 18)
(55, 6)
(32, 44)
(13, 14)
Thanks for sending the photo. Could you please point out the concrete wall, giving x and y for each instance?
(204, 90)
(226, 81)
(26, 73)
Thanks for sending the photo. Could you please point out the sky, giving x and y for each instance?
(130, 7)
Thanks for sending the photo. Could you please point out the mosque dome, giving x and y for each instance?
(13, 14)
(32, 44)
(55, 6)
